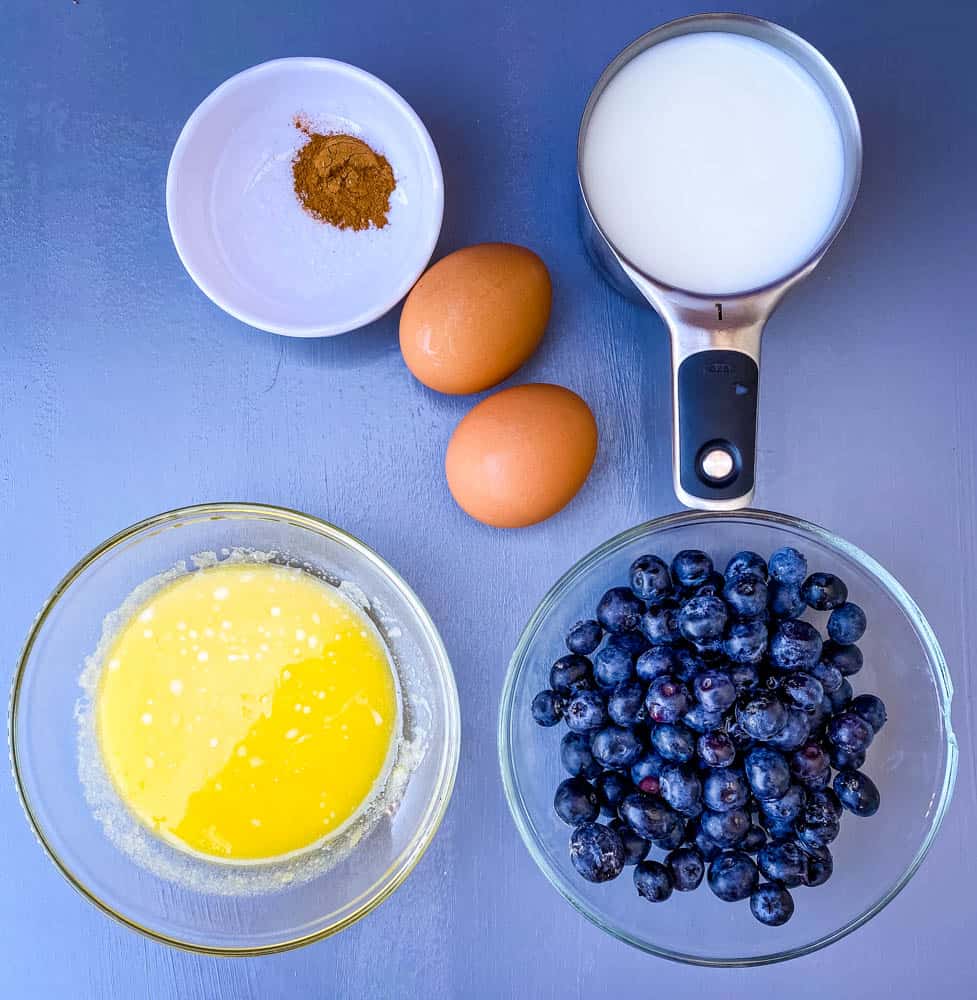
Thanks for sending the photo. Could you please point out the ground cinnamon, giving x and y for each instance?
(340, 180)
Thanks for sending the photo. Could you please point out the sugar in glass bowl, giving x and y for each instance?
(172, 895)
(913, 759)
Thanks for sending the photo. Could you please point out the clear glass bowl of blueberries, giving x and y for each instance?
(726, 738)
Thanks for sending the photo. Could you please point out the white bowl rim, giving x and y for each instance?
(426, 143)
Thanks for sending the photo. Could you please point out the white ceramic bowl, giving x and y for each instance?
(238, 226)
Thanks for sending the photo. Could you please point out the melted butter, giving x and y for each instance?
(246, 712)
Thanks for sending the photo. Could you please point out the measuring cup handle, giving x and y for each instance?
(715, 385)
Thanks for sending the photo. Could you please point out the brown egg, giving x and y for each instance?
(475, 317)
(521, 455)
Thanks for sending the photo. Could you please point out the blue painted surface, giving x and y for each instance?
(123, 392)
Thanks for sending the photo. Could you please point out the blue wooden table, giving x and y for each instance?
(124, 391)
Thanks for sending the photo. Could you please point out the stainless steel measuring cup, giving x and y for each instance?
(716, 338)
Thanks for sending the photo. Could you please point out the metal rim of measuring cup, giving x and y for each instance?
(729, 326)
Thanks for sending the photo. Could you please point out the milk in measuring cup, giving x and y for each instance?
(713, 162)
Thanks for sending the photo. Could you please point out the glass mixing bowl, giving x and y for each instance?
(913, 760)
(169, 894)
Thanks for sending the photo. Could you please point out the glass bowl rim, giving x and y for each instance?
(435, 810)
(519, 663)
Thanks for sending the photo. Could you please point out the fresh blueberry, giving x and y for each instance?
(611, 788)
(616, 747)
(746, 642)
(822, 806)
(743, 742)
(711, 650)
(788, 566)
(626, 704)
(707, 847)
(841, 698)
(817, 834)
(787, 808)
(819, 716)
(850, 732)
(714, 690)
(745, 677)
(648, 816)
(576, 756)
(796, 645)
(687, 868)
(746, 564)
(548, 708)
(771, 904)
(619, 610)
(827, 675)
(871, 709)
(733, 876)
(584, 637)
(847, 623)
(650, 579)
(586, 711)
(802, 690)
(767, 772)
(673, 742)
(857, 793)
(755, 838)
(784, 862)
(667, 700)
(761, 715)
(646, 772)
(842, 759)
(746, 596)
(724, 789)
(702, 618)
(674, 836)
(820, 820)
(810, 766)
(659, 661)
(711, 587)
(688, 663)
(784, 600)
(653, 881)
(691, 567)
(568, 672)
(701, 720)
(727, 829)
(596, 852)
(680, 787)
(635, 848)
(824, 592)
(796, 730)
(716, 749)
(777, 829)
(613, 664)
(576, 801)
(848, 659)
(660, 624)
(820, 864)
(632, 640)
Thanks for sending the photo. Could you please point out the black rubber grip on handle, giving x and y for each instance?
(717, 405)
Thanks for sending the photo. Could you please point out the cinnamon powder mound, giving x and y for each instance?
(340, 180)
